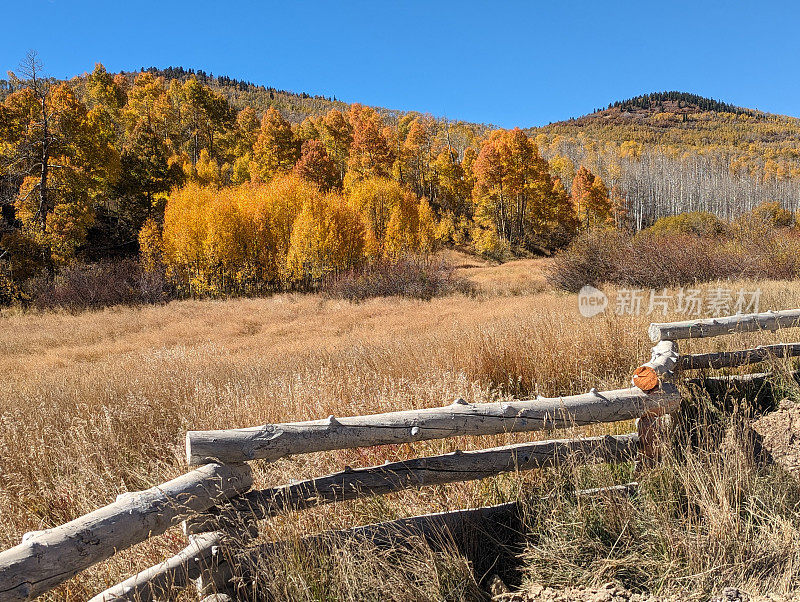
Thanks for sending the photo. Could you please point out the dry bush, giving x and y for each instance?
(591, 258)
(80, 287)
(412, 277)
(655, 259)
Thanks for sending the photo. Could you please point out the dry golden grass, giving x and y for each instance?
(96, 404)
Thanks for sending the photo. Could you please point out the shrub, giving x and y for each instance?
(697, 223)
(659, 259)
(773, 214)
(592, 258)
(412, 277)
(93, 286)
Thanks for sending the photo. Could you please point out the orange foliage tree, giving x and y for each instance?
(517, 202)
(591, 199)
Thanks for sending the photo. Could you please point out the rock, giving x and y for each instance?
(780, 437)
(497, 587)
(731, 594)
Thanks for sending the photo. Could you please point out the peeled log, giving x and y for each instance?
(51, 557)
(363, 482)
(159, 580)
(274, 441)
(712, 327)
(434, 470)
(438, 529)
(662, 362)
(730, 359)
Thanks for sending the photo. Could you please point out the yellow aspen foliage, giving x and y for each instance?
(151, 246)
(184, 232)
(371, 154)
(402, 231)
(328, 237)
(591, 199)
(207, 170)
(429, 235)
(516, 196)
(233, 239)
(276, 150)
(240, 172)
(563, 167)
(375, 199)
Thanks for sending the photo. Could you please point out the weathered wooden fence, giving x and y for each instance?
(216, 504)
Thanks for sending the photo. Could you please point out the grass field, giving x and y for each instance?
(95, 404)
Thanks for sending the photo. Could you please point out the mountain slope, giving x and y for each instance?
(671, 152)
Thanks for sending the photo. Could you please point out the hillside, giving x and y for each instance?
(664, 152)
(670, 152)
(684, 121)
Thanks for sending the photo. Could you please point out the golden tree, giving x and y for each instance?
(328, 237)
(316, 166)
(64, 155)
(371, 154)
(591, 199)
(276, 150)
(515, 195)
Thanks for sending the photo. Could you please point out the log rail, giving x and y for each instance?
(212, 498)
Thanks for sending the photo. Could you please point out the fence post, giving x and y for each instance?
(654, 426)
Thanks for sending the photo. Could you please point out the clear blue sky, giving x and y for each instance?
(506, 63)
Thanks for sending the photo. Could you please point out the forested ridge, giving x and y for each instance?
(671, 152)
(226, 186)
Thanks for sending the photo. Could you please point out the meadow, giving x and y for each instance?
(97, 403)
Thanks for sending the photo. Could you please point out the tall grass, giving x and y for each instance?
(97, 403)
(713, 513)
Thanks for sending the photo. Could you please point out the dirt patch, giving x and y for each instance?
(611, 592)
(780, 436)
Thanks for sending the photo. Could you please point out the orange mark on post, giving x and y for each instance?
(645, 378)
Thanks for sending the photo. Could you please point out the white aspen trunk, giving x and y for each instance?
(47, 558)
(712, 327)
(273, 441)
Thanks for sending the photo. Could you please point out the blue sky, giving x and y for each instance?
(506, 63)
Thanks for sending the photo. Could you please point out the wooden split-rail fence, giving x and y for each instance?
(216, 503)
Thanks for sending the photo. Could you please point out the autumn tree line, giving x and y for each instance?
(229, 201)
(223, 197)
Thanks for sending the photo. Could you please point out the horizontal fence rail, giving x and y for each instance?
(731, 359)
(274, 441)
(178, 571)
(48, 558)
(365, 482)
(438, 528)
(435, 470)
(712, 327)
